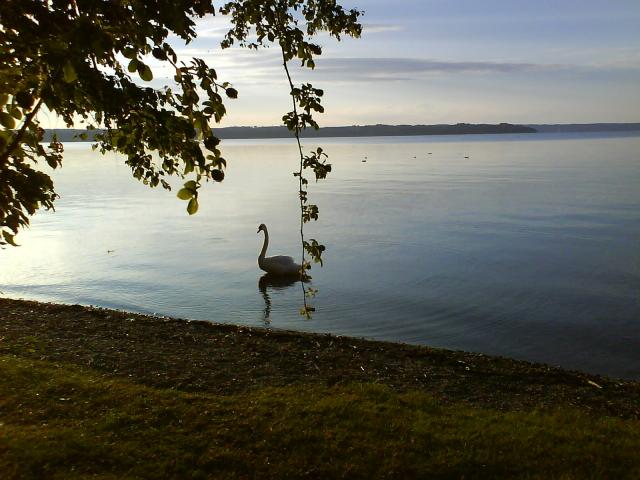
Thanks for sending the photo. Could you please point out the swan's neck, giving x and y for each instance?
(264, 246)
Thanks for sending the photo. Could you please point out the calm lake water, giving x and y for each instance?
(529, 248)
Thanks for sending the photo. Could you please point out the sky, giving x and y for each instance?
(448, 61)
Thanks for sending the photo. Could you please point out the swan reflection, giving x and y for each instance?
(274, 282)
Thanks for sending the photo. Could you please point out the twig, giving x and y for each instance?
(300, 178)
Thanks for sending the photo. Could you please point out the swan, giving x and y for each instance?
(278, 265)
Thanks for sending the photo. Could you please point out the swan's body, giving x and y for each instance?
(280, 265)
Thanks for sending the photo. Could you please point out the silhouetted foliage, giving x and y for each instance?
(87, 60)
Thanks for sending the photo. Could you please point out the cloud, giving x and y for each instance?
(394, 67)
(266, 63)
(402, 69)
(263, 67)
(387, 69)
(368, 28)
(210, 27)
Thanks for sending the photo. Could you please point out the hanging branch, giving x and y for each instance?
(306, 309)
(308, 98)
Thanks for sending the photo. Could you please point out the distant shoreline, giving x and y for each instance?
(374, 131)
(237, 133)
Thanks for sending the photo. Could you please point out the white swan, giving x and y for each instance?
(278, 265)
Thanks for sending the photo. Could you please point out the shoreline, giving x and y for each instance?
(383, 130)
(199, 356)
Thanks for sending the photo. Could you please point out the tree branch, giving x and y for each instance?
(300, 179)
(18, 137)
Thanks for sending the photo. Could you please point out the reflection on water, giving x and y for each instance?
(269, 282)
(529, 248)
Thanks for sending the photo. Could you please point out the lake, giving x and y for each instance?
(528, 248)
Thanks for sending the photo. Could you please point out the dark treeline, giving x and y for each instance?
(587, 127)
(72, 135)
(374, 130)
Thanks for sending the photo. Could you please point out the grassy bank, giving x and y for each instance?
(88, 392)
(58, 420)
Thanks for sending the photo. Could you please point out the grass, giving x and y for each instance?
(63, 421)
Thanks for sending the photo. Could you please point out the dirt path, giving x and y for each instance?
(201, 356)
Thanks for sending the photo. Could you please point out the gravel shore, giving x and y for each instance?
(202, 356)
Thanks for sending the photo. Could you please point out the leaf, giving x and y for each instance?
(231, 93)
(7, 120)
(184, 194)
(307, 310)
(129, 52)
(217, 175)
(145, 72)
(211, 143)
(191, 185)
(9, 238)
(133, 65)
(69, 73)
(16, 113)
(192, 207)
(159, 53)
(197, 123)
(24, 99)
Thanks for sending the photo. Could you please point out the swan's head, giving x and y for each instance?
(261, 228)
